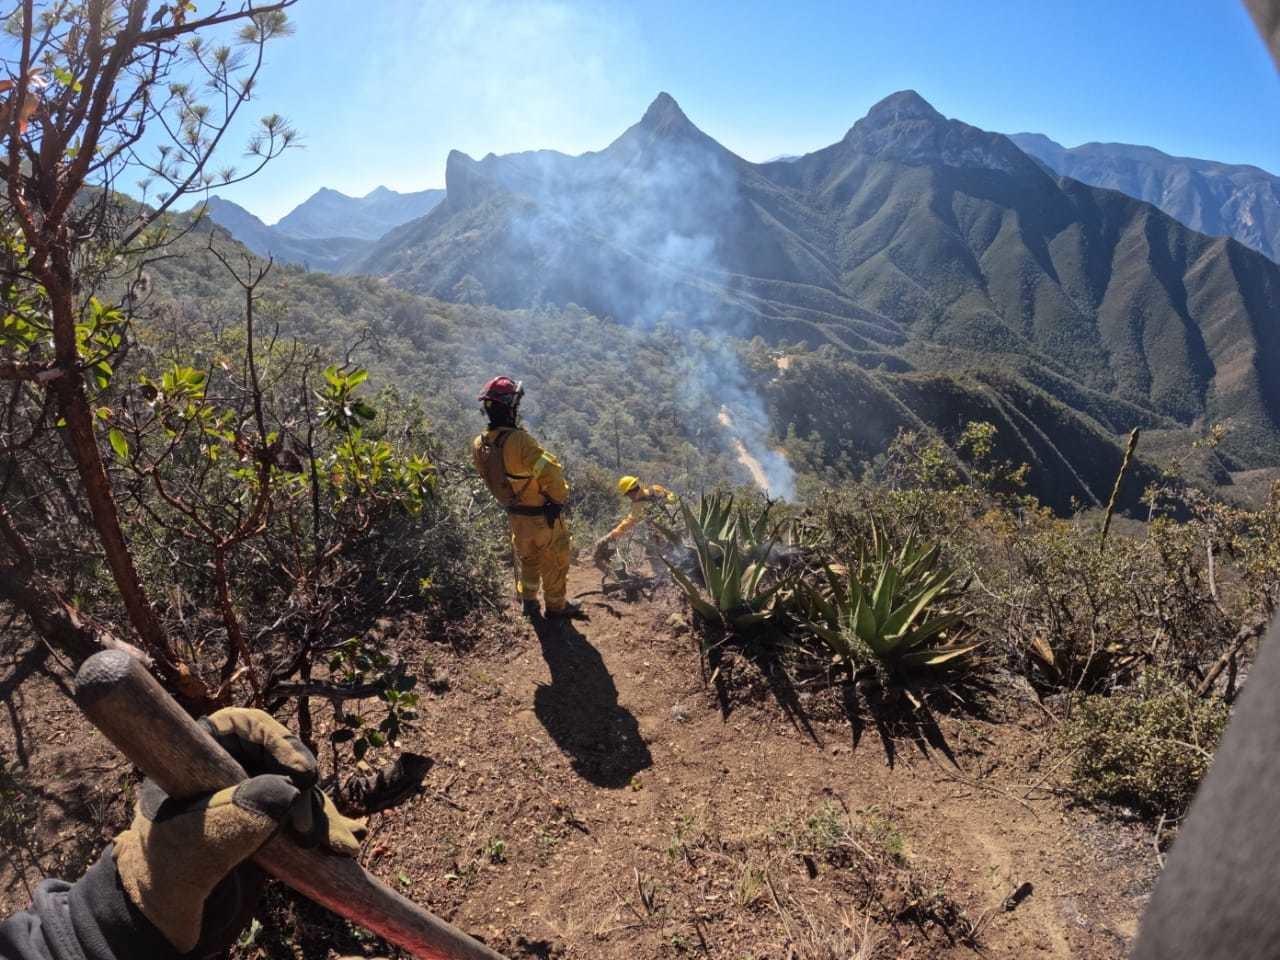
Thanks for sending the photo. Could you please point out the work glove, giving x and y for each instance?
(262, 744)
(602, 551)
(177, 853)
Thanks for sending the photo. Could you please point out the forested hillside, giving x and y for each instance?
(914, 244)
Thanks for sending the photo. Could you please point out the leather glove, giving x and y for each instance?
(602, 551)
(176, 852)
(264, 745)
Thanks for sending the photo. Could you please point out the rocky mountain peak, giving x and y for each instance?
(905, 128)
(664, 114)
(903, 105)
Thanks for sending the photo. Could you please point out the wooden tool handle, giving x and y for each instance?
(135, 713)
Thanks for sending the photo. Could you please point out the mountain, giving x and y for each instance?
(939, 255)
(327, 229)
(1221, 199)
(325, 254)
(328, 213)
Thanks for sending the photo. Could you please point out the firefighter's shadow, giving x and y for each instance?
(579, 709)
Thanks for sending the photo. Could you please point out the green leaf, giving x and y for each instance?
(910, 612)
(949, 654)
(66, 78)
(101, 372)
(118, 443)
(704, 609)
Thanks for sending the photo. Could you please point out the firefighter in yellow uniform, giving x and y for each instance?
(530, 483)
(643, 501)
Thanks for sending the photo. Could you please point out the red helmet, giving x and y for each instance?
(502, 390)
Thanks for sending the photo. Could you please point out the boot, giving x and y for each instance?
(530, 610)
(570, 611)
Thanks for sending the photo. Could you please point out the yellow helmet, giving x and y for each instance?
(627, 484)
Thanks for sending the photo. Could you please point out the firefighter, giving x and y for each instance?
(644, 500)
(529, 482)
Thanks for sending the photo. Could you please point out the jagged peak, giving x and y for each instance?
(222, 204)
(1037, 138)
(664, 116)
(903, 105)
(464, 179)
(904, 127)
(664, 110)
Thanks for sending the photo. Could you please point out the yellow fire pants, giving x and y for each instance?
(542, 555)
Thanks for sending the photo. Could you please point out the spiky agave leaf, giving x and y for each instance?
(896, 607)
(701, 606)
(936, 657)
(732, 560)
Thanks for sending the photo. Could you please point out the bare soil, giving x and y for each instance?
(591, 798)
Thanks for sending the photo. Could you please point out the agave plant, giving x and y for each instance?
(899, 610)
(719, 520)
(732, 548)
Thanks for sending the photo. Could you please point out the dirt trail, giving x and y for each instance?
(590, 799)
(637, 821)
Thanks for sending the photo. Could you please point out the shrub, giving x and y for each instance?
(898, 610)
(1147, 747)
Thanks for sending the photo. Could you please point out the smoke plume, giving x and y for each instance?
(644, 231)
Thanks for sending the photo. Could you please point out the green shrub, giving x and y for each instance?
(1147, 747)
(899, 610)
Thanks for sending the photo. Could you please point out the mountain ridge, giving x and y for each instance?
(329, 213)
(326, 254)
(1220, 199)
(912, 238)
(325, 230)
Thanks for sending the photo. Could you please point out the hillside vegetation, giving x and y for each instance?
(915, 243)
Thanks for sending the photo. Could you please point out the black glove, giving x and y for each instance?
(552, 510)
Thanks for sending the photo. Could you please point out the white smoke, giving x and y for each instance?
(640, 235)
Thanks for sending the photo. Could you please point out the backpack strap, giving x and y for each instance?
(498, 443)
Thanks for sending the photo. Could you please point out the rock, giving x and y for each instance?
(388, 787)
(438, 683)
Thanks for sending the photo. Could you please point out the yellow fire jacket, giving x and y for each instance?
(641, 508)
(535, 475)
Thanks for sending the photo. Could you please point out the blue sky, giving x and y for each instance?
(381, 90)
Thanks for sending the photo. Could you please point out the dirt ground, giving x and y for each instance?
(590, 798)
